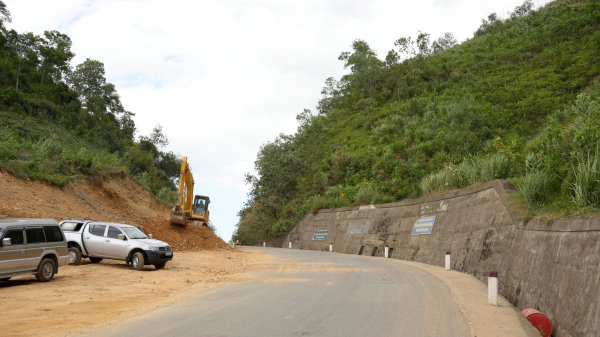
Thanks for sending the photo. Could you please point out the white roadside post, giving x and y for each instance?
(290, 244)
(264, 244)
(331, 247)
(447, 260)
(493, 287)
(387, 251)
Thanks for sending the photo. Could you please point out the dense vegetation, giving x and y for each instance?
(518, 99)
(59, 122)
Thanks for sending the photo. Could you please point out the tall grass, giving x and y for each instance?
(325, 202)
(535, 187)
(585, 190)
(469, 172)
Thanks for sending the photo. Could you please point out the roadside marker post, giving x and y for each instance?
(264, 244)
(493, 287)
(447, 260)
(290, 244)
(387, 251)
(331, 247)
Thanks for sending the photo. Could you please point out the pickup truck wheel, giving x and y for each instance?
(95, 259)
(46, 270)
(74, 256)
(137, 261)
(159, 265)
(5, 279)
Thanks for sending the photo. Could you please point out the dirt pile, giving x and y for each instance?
(116, 197)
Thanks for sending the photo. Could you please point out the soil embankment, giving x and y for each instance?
(114, 198)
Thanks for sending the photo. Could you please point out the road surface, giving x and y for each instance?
(316, 294)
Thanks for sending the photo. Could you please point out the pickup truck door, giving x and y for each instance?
(93, 238)
(13, 258)
(36, 245)
(113, 246)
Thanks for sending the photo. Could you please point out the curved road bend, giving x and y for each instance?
(320, 294)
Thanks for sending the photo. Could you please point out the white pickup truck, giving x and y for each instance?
(104, 240)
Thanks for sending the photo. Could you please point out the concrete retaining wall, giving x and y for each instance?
(553, 268)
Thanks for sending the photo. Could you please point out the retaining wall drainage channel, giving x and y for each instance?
(553, 268)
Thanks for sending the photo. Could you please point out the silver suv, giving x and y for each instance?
(31, 246)
(106, 240)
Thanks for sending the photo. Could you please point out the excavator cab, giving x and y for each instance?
(201, 204)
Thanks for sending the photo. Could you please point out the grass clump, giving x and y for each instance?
(585, 190)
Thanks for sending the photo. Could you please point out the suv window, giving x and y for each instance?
(15, 236)
(35, 235)
(113, 232)
(53, 234)
(97, 229)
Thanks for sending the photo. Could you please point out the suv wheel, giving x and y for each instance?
(159, 265)
(46, 270)
(95, 259)
(137, 261)
(74, 256)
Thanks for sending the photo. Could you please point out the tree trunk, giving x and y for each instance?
(42, 83)
(5, 62)
(19, 71)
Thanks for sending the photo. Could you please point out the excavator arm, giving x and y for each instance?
(185, 195)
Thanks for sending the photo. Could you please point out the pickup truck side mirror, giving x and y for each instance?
(150, 236)
(6, 242)
(121, 236)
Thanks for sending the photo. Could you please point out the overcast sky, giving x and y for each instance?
(224, 77)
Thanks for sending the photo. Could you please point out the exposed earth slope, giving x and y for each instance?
(116, 197)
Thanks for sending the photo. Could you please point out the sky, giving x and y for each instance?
(227, 76)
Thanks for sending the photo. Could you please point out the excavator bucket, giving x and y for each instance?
(178, 218)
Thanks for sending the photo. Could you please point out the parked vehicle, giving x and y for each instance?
(104, 240)
(31, 246)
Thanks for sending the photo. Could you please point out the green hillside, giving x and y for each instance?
(60, 121)
(518, 100)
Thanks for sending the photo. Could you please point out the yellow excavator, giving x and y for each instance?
(186, 210)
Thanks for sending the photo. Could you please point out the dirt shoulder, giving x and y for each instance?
(89, 294)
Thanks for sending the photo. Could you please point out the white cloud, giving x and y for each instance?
(224, 77)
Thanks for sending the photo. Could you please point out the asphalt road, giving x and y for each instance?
(320, 294)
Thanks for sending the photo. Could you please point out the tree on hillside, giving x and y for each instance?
(97, 96)
(364, 66)
(55, 51)
(4, 15)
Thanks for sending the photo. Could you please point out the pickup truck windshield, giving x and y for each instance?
(134, 233)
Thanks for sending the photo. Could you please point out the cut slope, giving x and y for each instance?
(114, 198)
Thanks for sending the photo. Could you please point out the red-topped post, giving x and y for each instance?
(493, 287)
(447, 260)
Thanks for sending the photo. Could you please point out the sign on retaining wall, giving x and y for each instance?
(423, 226)
(321, 234)
(359, 227)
